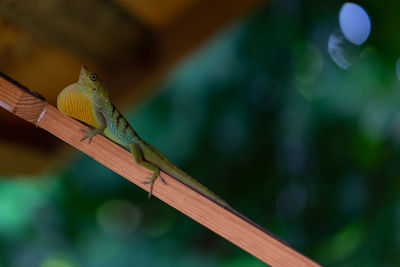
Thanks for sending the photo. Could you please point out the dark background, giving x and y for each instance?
(262, 116)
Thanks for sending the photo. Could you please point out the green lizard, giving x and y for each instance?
(88, 100)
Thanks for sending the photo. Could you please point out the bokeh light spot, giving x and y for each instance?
(398, 68)
(354, 23)
(342, 51)
(15, 211)
(308, 63)
(58, 261)
(118, 218)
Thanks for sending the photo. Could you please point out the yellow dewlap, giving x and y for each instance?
(75, 104)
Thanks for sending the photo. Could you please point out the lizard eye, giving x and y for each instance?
(93, 77)
(94, 88)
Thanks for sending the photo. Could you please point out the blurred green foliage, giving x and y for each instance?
(263, 117)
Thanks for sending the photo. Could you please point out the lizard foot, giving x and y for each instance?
(88, 134)
(151, 181)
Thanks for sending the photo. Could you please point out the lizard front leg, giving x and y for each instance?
(90, 133)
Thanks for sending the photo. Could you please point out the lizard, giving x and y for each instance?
(88, 100)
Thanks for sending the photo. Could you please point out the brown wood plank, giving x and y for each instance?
(227, 223)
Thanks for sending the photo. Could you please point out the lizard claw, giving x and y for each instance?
(85, 137)
(151, 182)
(88, 134)
(151, 186)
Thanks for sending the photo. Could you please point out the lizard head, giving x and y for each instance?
(90, 84)
(78, 99)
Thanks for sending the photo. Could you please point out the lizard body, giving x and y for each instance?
(88, 100)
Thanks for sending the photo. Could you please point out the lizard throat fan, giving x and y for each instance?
(76, 104)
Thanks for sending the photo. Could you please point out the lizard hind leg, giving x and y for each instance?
(138, 156)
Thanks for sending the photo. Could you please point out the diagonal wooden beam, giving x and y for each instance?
(226, 222)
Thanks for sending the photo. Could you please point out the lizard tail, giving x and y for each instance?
(194, 184)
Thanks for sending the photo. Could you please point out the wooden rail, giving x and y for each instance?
(227, 223)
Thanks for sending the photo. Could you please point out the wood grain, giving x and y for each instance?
(227, 223)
